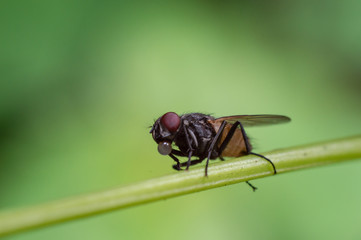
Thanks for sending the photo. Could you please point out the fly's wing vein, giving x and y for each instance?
(253, 120)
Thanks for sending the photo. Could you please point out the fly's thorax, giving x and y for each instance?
(198, 131)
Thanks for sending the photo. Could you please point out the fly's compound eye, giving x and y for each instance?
(164, 148)
(170, 121)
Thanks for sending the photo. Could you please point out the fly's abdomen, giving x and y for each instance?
(236, 146)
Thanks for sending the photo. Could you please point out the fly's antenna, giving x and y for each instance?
(152, 128)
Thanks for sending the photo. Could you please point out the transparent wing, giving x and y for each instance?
(253, 120)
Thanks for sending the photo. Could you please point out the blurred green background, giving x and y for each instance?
(81, 82)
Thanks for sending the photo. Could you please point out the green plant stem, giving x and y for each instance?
(179, 183)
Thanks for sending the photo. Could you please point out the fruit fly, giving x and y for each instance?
(206, 137)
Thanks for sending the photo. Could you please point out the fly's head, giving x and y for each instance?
(164, 131)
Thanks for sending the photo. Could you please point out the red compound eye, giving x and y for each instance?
(171, 121)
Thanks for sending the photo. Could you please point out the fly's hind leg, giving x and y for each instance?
(267, 159)
(253, 187)
(228, 138)
(248, 148)
(247, 144)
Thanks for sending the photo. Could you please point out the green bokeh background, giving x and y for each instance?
(81, 82)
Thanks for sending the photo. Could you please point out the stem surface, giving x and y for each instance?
(179, 183)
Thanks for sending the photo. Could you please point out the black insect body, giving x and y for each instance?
(206, 137)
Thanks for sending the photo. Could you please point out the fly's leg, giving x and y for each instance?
(193, 162)
(253, 187)
(247, 144)
(246, 141)
(248, 148)
(213, 144)
(178, 153)
(175, 166)
(190, 149)
(267, 159)
(228, 138)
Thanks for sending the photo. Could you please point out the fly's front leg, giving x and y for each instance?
(172, 155)
(175, 166)
(189, 142)
(193, 162)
